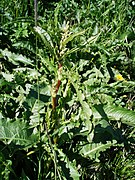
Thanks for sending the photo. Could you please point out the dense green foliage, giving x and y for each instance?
(90, 132)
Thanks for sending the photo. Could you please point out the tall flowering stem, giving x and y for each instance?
(55, 87)
(62, 49)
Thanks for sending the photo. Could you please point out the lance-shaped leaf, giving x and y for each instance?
(71, 37)
(70, 51)
(46, 38)
(90, 40)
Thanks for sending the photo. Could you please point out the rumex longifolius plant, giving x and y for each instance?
(67, 101)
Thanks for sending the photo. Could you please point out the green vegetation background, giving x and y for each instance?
(86, 130)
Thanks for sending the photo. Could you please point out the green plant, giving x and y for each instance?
(67, 101)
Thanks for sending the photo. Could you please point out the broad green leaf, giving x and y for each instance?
(93, 150)
(36, 110)
(15, 58)
(48, 63)
(86, 109)
(70, 165)
(15, 131)
(116, 113)
(8, 77)
(85, 106)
